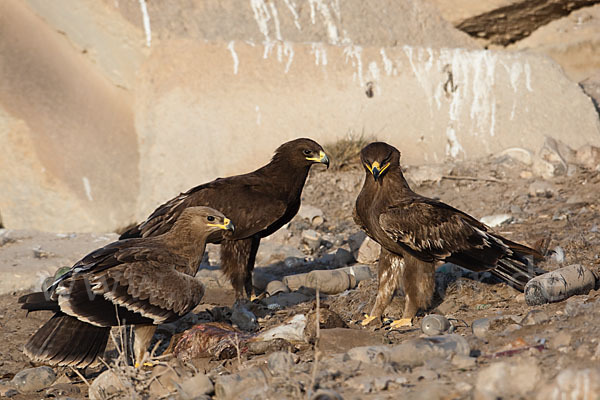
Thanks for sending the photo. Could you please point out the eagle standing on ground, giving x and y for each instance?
(141, 282)
(259, 202)
(416, 232)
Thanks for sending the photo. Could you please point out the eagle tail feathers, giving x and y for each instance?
(66, 341)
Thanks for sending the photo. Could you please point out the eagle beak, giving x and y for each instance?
(226, 225)
(323, 159)
(376, 169)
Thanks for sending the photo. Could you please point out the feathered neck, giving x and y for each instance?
(184, 242)
(287, 177)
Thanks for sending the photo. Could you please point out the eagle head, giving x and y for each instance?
(378, 157)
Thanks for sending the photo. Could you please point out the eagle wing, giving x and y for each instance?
(140, 279)
(432, 230)
(222, 195)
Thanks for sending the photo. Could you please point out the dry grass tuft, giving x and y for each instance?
(346, 151)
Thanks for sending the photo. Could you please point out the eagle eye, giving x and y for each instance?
(307, 152)
(210, 218)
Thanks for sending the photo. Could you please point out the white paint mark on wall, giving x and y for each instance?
(528, 77)
(388, 66)
(323, 9)
(453, 147)
(276, 20)
(291, 5)
(288, 51)
(236, 61)
(318, 49)
(262, 16)
(88, 188)
(354, 54)
(146, 21)
(258, 115)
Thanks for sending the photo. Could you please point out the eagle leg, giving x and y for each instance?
(143, 336)
(418, 282)
(389, 271)
(237, 263)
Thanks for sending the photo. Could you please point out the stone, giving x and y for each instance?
(233, 386)
(276, 287)
(34, 379)
(559, 284)
(481, 327)
(355, 241)
(496, 220)
(243, 318)
(312, 214)
(492, 381)
(7, 389)
(342, 258)
(434, 324)
(326, 394)
(107, 385)
(535, 317)
(330, 281)
(292, 330)
(368, 253)
(199, 384)
(312, 239)
(562, 339)
(284, 300)
(413, 352)
(541, 189)
(464, 362)
(280, 362)
(60, 390)
(519, 154)
(589, 156)
(572, 383)
(270, 252)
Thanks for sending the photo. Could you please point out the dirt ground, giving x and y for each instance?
(563, 209)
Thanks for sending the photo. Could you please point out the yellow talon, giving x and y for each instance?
(401, 323)
(146, 364)
(367, 320)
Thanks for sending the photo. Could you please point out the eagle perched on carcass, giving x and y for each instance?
(259, 202)
(141, 282)
(416, 232)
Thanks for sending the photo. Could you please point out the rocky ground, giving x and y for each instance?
(497, 345)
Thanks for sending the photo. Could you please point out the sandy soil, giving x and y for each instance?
(564, 210)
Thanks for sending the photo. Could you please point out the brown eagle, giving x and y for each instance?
(416, 232)
(141, 282)
(259, 202)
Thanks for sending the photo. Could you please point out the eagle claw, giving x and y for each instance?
(399, 323)
(368, 319)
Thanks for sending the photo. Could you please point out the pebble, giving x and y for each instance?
(434, 324)
(504, 379)
(197, 385)
(368, 253)
(106, 385)
(62, 389)
(535, 317)
(285, 300)
(7, 389)
(34, 379)
(243, 318)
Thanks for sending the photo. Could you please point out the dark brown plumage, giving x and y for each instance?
(141, 282)
(416, 232)
(259, 202)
